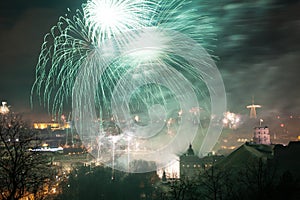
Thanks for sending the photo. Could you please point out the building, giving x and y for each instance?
(51, 125)
(190, 164)
(261, 135)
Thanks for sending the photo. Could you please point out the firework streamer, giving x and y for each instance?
(130, 67)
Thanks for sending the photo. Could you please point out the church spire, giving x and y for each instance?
(190, 151)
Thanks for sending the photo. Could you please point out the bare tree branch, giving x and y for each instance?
(22, 172)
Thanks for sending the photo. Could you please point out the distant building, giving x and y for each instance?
(51, 125)
(261, 135)
(190, 164)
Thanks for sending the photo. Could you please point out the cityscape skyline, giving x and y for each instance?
(261, 62)
(150, 99)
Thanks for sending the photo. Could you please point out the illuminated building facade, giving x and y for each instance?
(261, 135)
(51, 125)
(190, 164)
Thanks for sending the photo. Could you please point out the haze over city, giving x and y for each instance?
(256, 45)
(149, 99)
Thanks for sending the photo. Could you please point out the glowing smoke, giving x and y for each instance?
(134, 70)
(231, 120)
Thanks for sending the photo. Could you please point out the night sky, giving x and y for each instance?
(257, 44)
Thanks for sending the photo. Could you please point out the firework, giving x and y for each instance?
(231, 120)
(107, 18)
(4, 109)
(129, 66)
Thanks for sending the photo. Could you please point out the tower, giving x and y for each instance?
(261, 135)
(253, 109)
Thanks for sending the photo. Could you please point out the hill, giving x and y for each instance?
(244, 154)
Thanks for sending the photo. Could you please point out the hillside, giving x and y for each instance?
(244, 154)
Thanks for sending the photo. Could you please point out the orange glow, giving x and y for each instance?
(50, 125)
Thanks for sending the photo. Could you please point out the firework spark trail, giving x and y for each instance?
(108, 18)
(124, 59)
(73, 40)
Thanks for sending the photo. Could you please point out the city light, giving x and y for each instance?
(4, 108)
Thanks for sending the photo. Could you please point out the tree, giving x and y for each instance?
(287, 187)
(257, 179)
(23, 172)
(215, 184)
(185, 189)
(88, 182)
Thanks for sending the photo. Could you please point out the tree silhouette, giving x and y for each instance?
(96, 183)
(23, 172)
(287, 187)
(257, 179)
